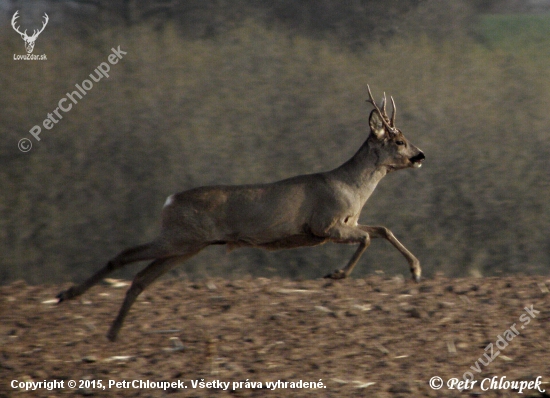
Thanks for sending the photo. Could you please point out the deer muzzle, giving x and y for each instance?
(417, 160)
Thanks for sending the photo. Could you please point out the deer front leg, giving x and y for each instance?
(383, 232)
(348, 234)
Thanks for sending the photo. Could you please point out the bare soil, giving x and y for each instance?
(374, 337)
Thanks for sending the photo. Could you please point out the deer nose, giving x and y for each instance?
(417, 159)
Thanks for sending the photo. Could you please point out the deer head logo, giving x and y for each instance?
(29, 40)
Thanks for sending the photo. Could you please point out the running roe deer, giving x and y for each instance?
(305, 210)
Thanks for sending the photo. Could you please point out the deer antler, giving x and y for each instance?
(15, 16)
(393, 112)
(389, 123)
(46, 19)
(24, 34)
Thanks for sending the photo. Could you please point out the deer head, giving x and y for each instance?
(395, 150)
(29, 40)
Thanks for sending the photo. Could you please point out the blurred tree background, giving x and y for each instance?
(248, 91)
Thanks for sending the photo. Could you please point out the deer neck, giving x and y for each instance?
(362, 172)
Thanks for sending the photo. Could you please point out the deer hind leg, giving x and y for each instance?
(383, 232)
(143, 279)
(146, 251)
(349, 234)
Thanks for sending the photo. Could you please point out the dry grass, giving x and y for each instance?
(256, 104)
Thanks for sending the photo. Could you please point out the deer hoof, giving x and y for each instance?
(65, 295)
(416, 272)
(338, 274)
(112, 336)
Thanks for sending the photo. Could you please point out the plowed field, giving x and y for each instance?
(374, 337)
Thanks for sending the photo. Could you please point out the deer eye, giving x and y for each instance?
(400, 142)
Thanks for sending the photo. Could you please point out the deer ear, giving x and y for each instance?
(376, 125)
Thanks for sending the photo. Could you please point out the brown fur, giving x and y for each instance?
(306, 210)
